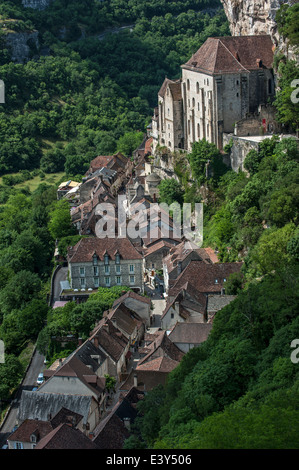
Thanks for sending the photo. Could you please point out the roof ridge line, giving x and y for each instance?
(233, 55)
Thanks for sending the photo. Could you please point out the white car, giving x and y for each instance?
(40, 379)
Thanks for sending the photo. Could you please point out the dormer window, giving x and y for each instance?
(106, 258)
(95, 260)
(32, 438)
(216, 281)
(117, 258)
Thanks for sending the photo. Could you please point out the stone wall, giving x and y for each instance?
(240, 148)
(124, 274)
(253, 124)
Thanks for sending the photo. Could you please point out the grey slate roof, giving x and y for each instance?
(85, 352)
(217, 302)
(39, 405)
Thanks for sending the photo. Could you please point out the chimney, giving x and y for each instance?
(91, 435)
(135, 380)
(127, 423)
(106, 327)
(96, 356)
(96, 341)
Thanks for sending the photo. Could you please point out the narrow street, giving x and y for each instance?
(159, 305)
(36, 366)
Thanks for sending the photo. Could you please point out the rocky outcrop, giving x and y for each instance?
(36, 4)
(22, 45)
(256, 17)
(252, 17)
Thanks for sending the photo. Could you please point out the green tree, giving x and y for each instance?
(129, 142)
(171, 191)
(60, 224)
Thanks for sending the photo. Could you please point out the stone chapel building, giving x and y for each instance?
(226, 79)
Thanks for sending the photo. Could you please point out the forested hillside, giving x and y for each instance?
(240, 388)
(87, 90)
(76, 96)
(87, 93)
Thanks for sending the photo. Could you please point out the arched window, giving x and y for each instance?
(197, 87)
(188, 84)
(198, 131)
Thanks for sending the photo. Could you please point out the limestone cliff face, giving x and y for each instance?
(254, 17)
(36, 4)
(22, 46)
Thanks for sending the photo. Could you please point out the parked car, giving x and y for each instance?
(40, 379)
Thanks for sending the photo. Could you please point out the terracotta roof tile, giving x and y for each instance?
(206, 278)
(84, 250)
(194, 333)
(234, 54)
(29, 427)
(66, 437)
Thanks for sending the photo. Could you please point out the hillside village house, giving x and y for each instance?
(227, 78)
(73, 377)
(136, 303)
(178, 259)
(114, 344)
(43, 406)
(105, 262)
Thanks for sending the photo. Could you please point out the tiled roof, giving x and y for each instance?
(85, 249)
(87, 352)
(148, 146)
(212, 254)
(236, 54)
(40, 405)
(124, 319)
(174, 86)
(110, 433)
(180, 252)
(162, 346)
(146, 379)
(109, 338)
(73, 367)
(29, 427)
(158, 246)
(66, 437)
(133, 295)
(160, 364)
(217, 302)
(206, 278)
(66, 416)
(189, 298)
(193, 333)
